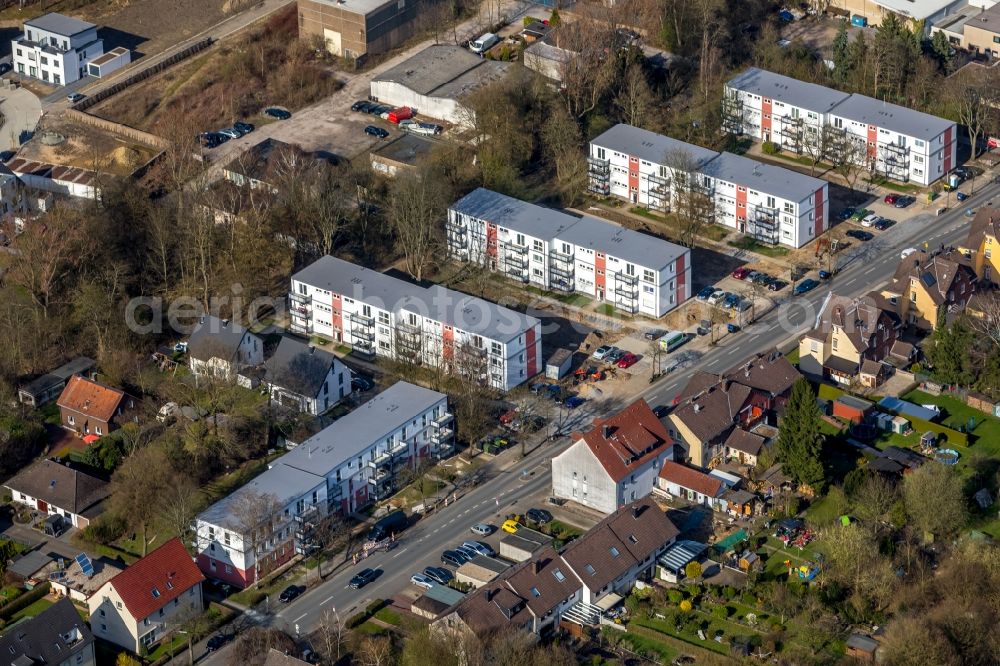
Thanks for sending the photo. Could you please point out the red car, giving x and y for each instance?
(741, 273)
(628, 360)
(891, 198)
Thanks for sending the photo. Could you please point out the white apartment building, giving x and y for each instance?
(899, 143)
(772, 204)
(635, 272)
(343, 468)
(769, 203)
(56, 48)
(380, 315)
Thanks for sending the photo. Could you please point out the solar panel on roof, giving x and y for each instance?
(86, 566)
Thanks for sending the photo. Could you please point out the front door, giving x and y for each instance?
(43, 506)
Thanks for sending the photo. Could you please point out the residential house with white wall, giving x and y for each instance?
(56, 48)
(894, 141)
(149, 600)
(381, 315)
(343, 468)
(552, 249)
(306, 379)
(615, 462)
(57, 636)
(58, 489)
(223, 349)
(678, 481)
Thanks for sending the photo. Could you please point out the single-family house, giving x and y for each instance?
(57, 636)
(304, 378)
(927, 285)
(141, 605)
(81, 578)
(615, 462)
(54, 488)
(221, 348)
(89, 408)
(744, 447)
(983, 241)
(680, 481)
(43, 390)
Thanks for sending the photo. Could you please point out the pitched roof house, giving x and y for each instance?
(615, 462)
(304, 378)
(133, 609)
(744, 446)
(983, 244)
(711, 405)
(849, 332)
(89, 408)
(55, 637)
(926, 285)
(588, 576)
(54, 488)
(221, 348)
(677, 480)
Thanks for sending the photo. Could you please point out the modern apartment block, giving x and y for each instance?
(56, 48)
(354, 28)
(770, 203)
(380, 315)
(635, 272)
(344, 467)
(894, 141)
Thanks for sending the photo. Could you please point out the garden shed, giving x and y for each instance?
(854, 410)
(558, 364)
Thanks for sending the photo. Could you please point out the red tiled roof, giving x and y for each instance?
(157, 579)
(83, 395)
(634, 437)
(688, 477)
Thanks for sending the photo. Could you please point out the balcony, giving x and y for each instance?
(626, 285)
(443, 420)
(599, 176)
(764, 226)
(626, 306)
(458, 237)
(361, 320)
(300, 325)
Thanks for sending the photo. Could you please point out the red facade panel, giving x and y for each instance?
(681, 278)
(819, 213)
(532, 355)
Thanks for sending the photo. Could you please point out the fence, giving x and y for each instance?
(117, 128)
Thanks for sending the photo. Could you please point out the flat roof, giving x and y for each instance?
(650, 146)
(917, 9)
(870, 111)
(788, 90)
(451, 307)
(357, 6)
(285, 482)
(60, 24)
(768, 178)
(527, 218)
(110, 55)
(444, 70)
(407, 148)
(635, 246)
(350, 435)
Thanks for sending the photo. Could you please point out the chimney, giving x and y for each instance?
(636, 512)
(697, 408)
(536, 567)
(606, 431)
(489, 593)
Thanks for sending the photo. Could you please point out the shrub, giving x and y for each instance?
(721, 612)
(105, 529)
(24, 601)
(357, 620)
(675, 596)
(769, 148)
(729, 592)
(686, 606)
(375, 606)
(528, 20)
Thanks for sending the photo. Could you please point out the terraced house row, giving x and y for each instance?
(891, 140)
(772, 204)
(635, 272)
(381, 315)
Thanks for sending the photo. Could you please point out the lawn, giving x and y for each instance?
(647, 644)
(713, 232)
(747, 243)
(609, 310)
(986, 432)
(30, 611)
(165, 647)
(793, 356)
(714, 625)
(389, 616)
(371, 629)
(575, 300)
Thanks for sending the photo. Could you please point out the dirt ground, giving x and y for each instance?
(86, 147)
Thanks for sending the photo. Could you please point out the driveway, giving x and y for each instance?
(21, 111)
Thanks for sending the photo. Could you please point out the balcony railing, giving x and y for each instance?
(361, 320)
(443, 419)
(302, 326)
(628, 306)
(598, 168)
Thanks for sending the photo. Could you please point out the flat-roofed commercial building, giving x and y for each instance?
(355, 28)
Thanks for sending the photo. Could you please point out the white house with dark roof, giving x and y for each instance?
(898, 142)
(223, 349)
(56, 48)
(381, 315)
(635, 272)
(304, 378)
(57, 636)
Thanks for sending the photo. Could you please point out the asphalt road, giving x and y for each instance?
(862, 267)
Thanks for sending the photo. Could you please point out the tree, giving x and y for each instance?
(251, 646)
(853, 559)
(50, 251)
(934, 499)
(375, 651)
(634, 100)
(848, 155)
(332, 634)
(692, 204)
(942, 51)
(693, 570)
(137, 488)
(800, 442)
(254, 518)
(841, 53)
(949, 353)
(562, 141)
(414, 209)
(179, 502)
(874, 500)
(974, 98)
(125, 659)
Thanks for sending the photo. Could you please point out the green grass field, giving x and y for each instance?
(747, 243)
(30, 611)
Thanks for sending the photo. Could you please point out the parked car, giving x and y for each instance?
(741, 272)
(824, 275)
(427, 129)
(231, 132)
(483, 529)
(601, 352)
(481, 548)
(361, 384)
(362, 578)
(438, 574)
(870, 220)
(751, 275)
(907, 252)
(961, 196)
(777, 285)
(423, 580)
(730, 300)
(291, 592)
(705, 293)
(242, 127)
(574, 402)
(743, 305)
(660, 411)
(74, 97)
(883, 224)
(615, 355)
(846, 213)
(276, 113)
(805, 285)
(510, 526)
(379, 109)
(716, 296)
(469, 553)
(904, 200)
(362, 106)
(627, 361)
(453, 558)
(216, 642)
(378, 132)
(860, 235)
(5, 67)
(539, 516)
(891, 199)
(762, 278)
(654, 334)
(859, 214)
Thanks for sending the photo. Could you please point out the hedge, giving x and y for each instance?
(24, 601)
(356, 620)
(954, 437)
(375, 606)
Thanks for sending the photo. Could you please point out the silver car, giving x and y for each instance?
(480, 547)
(231, 133)
(422, 580)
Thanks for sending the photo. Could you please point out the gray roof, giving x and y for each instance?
(362, 7)
(28, 564)
(60, 485)
(298, 367)
(66, 26)
(443, 70)
(892, 117)
(527, 218)
(406, 149)
(788, 90)
(634, 246)
(281, 481)
(650, 146)
(767, 178)
(58, 376)
(372, 422)
(51, 637)
(445, 594)
(215, 338)
(386, 292)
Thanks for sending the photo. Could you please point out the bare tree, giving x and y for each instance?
(178, 504)
(692, 201)
(48, 253)
(850, 156)
(332, 635)
(987, 321)
(415, 208)
(635, 101)
(589, 73)
(376, 651)
(255, 517)
(975, 98)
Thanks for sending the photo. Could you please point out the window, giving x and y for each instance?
(614, 551)
(558, 574)
(170, 583)
(632, 539)
(56, 79)
(770, 202)
(72, 420)
(44, 60)
(834, 343)
(590, 569)
(913, 297)
(156, 593)
(19, 53)
(535, 592)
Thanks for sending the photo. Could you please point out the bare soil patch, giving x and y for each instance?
(86, 147)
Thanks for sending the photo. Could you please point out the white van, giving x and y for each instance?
(484, 43)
